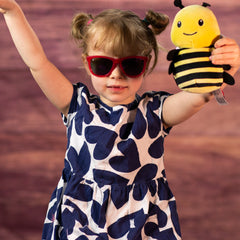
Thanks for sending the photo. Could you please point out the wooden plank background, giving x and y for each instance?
(202, 155)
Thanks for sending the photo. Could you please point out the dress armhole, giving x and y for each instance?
(164, 130)
(73, 105)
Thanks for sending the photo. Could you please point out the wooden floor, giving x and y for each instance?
(202, 155)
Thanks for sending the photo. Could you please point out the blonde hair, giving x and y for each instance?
(118, 32)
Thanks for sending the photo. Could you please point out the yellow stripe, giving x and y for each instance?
(185, 84)
(191, 60)
(202, 89)
(194, 81)
(198, 70)
(193, 50)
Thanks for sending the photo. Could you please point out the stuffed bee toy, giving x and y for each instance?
(194, 31)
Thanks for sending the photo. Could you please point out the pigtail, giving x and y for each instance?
(157, 21)
(79, 25)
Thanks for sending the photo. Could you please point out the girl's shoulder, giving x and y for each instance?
(153, 97)
(81, 100)
(81, 95)
(152, 94)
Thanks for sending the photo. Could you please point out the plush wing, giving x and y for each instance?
(227, 78)
(171, 57)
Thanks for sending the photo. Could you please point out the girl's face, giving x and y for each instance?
(117, 88)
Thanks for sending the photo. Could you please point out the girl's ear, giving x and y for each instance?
(84, 59)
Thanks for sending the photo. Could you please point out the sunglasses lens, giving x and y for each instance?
(133, 66)
(101, 66)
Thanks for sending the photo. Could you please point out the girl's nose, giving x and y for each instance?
(117, 73)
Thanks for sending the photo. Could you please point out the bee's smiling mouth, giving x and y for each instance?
(190, 34)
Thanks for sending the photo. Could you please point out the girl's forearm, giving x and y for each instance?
(24, 38)
(181, 106)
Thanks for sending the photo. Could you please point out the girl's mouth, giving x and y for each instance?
(116, 88)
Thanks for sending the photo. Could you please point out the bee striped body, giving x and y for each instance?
(194, 72)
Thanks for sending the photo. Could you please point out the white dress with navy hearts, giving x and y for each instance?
(113, 185)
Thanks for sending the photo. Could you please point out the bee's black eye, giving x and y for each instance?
(179, 24)
(200, 22)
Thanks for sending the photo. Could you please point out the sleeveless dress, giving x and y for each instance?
(113, 184)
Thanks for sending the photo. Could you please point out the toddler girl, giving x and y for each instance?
(113, 185)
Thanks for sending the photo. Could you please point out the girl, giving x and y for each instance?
(113, 184)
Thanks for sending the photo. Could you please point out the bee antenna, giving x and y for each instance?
(206, 5)
(178, 3)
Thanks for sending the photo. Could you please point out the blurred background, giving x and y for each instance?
(202, 155)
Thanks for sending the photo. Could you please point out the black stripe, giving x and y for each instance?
(199, 85)
(195, 65)
(192, 76)
(185, 56)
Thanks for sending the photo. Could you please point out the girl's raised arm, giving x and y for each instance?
(52, 82)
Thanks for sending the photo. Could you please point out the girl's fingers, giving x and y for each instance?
(227, 52)
(224, 41)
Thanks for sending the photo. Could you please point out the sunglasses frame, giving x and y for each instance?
(115, 62)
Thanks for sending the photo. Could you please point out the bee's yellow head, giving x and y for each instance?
(195, 26)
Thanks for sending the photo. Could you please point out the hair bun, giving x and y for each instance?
(158, 21)
(79, 24)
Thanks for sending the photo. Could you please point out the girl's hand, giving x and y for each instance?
(6, 5)
(226, 52)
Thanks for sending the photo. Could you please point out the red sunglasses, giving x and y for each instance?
(102, 66)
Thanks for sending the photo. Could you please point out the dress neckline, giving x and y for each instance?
(129, 106)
